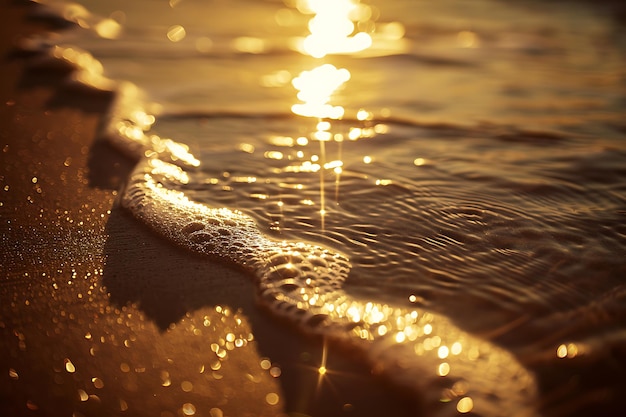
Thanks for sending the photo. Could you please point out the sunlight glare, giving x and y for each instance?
(333, 26)
(315, 90)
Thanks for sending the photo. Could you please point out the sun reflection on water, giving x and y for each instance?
(333, 28)
(315, 90)
(308, 280)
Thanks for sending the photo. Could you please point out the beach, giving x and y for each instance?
(497, 223)
(99, 315)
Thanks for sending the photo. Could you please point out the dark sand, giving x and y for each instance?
(100, 317)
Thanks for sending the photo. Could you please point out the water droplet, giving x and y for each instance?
(189, 409)
(82, 395)
(443, 352)
(216, 412)
(266, 364)
(176, 33)
(465, 405)
(443, 369)
(69, 366)
(272, 398)
(97, 382)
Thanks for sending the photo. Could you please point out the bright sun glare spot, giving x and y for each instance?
(315, 90)
(323, 126)
(273, 155)
(333, 164)
(355, 133)
(322, 135)
(443, 352)
(333, 27)
(108, 29)
(363, 115)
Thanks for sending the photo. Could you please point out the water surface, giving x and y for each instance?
(475, 183)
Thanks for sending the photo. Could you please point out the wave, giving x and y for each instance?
(303, 282)
(454, 238)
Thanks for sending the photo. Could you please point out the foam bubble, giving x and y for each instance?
(304, 283)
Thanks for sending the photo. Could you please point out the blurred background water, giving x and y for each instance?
(478, 169)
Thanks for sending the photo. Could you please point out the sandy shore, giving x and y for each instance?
(100, 317)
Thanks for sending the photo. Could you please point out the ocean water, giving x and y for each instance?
(462, 223)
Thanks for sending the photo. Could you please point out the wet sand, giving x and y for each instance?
(98, 316)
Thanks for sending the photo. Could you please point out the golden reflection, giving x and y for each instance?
(108, 29)
(69, 366)
(443, 352)
(277, 155)
(272, 398)
(465, 405)
(322, 369)
(333, 29)
(176, 33)
(189, 409)
(443, 369)
(246, 147)
(364, 115)
(286, 141)
(325, 374)
(315, 90)
(570, 350)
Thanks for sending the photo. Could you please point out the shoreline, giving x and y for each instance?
(97, 311)
(102, 316)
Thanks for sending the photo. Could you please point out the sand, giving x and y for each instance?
(98, 316)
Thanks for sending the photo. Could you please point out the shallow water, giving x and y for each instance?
(482, 187)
